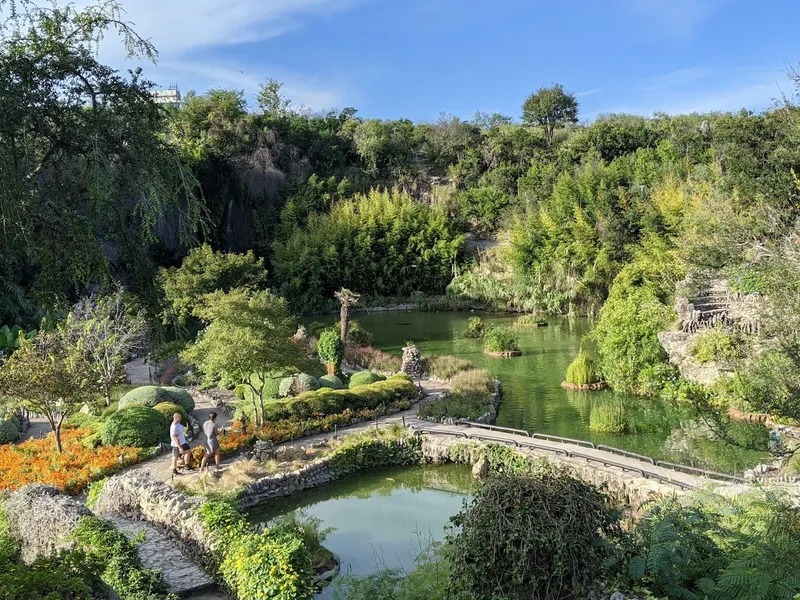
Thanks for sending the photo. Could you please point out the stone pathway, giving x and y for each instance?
(158, 552)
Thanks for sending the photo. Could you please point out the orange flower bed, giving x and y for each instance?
(36, 461)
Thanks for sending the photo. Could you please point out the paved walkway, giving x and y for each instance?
(576, 452)
(158, 552)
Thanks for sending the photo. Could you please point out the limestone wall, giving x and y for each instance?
(42, 520)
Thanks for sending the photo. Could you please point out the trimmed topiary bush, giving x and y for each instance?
(304, 383)
(9, 432)
(364, 378)
(182, 397)
(137, 426)
(331, 381)
(9, 416)
(331, 349)
(170, 408)
(582, 370)
(150, 395)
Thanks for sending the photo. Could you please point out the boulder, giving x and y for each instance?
(480, 469)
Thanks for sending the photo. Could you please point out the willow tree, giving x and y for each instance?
(348, 300)
(86, 172)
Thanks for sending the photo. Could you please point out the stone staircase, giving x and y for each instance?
(717, 307)
(160, 553)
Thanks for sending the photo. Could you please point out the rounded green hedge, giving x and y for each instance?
(170, 408)
(9, 432)
(9, 416)
(150, 395)
(305, 383)
(364, 378)
(138, 426)
(285, 387)
(331, 381)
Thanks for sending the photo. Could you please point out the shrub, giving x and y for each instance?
(500, 339)
(240, 391)
(582, 370)
(474, 381)
(364, 378)
(705, 545)
(304, 383)
(137, 426)
(400, 377)
(331, 348)
(444, 367)
(80, 420)
(540, 535)
(9, 432)
(68, 574)
(356, 334)
(150, 395)
(367, 357)
(609, 417)
(182, 397)
(6, 415)
(331, 381)
(170, 408)
(475, 327)
(469, 397)
(274, 563)
(285, 387)
(718, 346)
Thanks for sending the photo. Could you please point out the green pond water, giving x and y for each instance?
(534, 400)
(380, 518)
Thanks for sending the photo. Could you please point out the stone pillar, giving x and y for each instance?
(412, 361)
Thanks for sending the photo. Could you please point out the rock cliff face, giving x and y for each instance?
(678, 345)
(713, 307)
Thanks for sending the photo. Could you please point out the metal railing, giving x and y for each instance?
(565, 440)
(493, 427)
(621, 452)
(643, 472)
(702, 472)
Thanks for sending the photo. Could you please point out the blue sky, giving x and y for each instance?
(417, 58)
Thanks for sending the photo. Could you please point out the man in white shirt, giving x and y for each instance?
(179, 446)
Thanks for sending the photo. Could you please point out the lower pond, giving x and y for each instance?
(379, 518)
(534, 400)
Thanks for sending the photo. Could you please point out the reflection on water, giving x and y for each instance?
(534, 400)
(380, 517)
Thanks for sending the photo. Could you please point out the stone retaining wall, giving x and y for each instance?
(137, 496)
(42, 520)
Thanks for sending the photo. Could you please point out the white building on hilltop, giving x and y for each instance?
(171, 96)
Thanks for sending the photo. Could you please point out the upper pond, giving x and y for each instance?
(532, 395)
(380, 518)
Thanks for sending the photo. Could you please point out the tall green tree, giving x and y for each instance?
(247, 339)
(204, 271)
(550, 108)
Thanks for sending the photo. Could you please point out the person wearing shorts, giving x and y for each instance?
(212, 443)
(180, 448)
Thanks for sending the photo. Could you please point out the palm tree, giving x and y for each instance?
(349, 300)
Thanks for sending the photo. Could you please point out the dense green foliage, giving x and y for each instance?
(9, 431)
(711, 546)
(372, 242)
(542, 536)
(331, 381)
(500, 339)
(275, 563)
(331, 348)
(445, 367)
(716, 346)
(475, 327)
(137, 426)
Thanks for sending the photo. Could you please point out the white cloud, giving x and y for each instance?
(676, 17)
(179, 27)
(591, 92)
